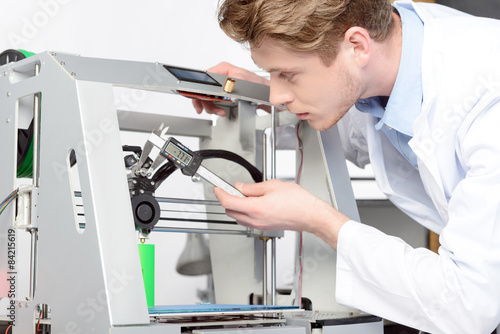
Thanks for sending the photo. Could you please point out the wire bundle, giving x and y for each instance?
(8, 200)
(168, 168)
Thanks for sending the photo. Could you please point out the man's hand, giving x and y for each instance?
(277, 205)
(229, 71)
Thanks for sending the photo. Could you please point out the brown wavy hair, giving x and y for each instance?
(304, 25)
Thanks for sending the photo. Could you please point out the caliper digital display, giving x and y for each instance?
(178, 153)
(189, 163)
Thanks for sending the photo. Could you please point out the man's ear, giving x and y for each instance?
(358, 43)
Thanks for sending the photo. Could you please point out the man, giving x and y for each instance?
(425, 81)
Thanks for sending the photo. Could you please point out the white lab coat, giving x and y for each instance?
(455, 191)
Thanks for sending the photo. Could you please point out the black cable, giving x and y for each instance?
(222, 154)
(163, 172)
(168, 168)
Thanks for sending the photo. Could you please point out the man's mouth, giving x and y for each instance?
(302, 116)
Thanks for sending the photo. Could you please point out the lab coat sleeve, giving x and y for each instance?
(457, 291)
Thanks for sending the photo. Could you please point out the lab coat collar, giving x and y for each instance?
(408, 78)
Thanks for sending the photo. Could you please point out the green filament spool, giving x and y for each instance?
(25, 167)
(25, 137)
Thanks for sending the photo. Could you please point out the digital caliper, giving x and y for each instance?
(189, 163)
(182, 157)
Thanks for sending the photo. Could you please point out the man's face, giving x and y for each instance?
(310, 89)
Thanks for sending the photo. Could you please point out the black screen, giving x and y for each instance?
(192, 75)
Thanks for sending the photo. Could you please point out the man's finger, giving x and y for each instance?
(198, 106)
(255, 189)
(231, 202)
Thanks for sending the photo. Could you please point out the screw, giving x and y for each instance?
(8, 94)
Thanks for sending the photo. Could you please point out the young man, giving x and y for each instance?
(425, 82)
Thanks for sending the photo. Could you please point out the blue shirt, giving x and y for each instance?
(397, 113)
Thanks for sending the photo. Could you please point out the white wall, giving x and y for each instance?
(182, 33)
(176, 32)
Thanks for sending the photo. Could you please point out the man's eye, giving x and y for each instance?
(286, 76)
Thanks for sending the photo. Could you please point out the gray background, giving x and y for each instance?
(486, 8)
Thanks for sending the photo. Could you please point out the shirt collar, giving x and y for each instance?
(405, 102)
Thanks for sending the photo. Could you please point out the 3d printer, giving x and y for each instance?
(58, 116)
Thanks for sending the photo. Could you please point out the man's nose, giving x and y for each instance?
(279, 94)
